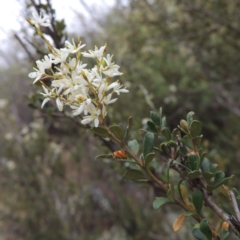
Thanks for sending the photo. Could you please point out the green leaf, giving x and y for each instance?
(193, 161)
(224, 235)
(196, 232)
(166, 133)
(197, 199)
(184, 125)
(170, 192)
(179, 188)
(149, 158)
(148, 143)
(129, 126)
(206, 165)
(194, 174)
(168, 169)
(195, 128)
(117, 131)
(152, 127)
(214, 167)
(187, 141)
(155, 118)
(163, 122)
(160, 201)
(160, 115)
(190, 117)
(189, 214)
(205, 229)
(208, 175)
(100, 131)
(133, 146)
(134, 175)
(220, 179)
(235, 191)
(104, 156)
(202, 156)
(197, 141)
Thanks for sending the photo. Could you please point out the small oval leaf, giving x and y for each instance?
(148, 143)
(190, 117)
(194, 174)
(196, 232)
(104, 156)
(134, 175)
(197, 199)
(205, 229)
(133, 146)
(155, 118)
(149, 158)
(166, 133)
(100, 131)
(160, 201)
(195, 128)
(117, 131)
(179, 222)
(152, 127)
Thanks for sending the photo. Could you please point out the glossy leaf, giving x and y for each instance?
(160, 201)
(148, 143)
(206, 165)
(179, 222)
(170, 193)
(133, 146)
(163, 122)
(166, 133)
(197, 140)
(187, 141)
(193, 161)
(205, 229)
(160, 115)
(189, 214)
(149, 158)
(104, 156)
(134, 175)
(152, 127)
(100, 131)
(220, 179)
(224, 235)
(195, 128)
(194, 174)
(117, 131)
(155, 118)
(190, 117)
(129, 126)
(196, 232)
(197, 199)
(208, 175)
(184, 125)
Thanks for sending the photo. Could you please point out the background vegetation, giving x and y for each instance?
(182, 55)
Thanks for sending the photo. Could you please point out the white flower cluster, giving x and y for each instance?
(86, 91)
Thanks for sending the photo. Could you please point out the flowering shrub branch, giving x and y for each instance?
(88, 92)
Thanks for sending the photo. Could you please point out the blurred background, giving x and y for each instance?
(182, 55)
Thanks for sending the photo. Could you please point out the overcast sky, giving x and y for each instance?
(10, 17)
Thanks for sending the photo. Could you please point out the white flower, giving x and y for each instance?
(112, 71)
(97, 53)
(59, 57)
(47, 95)
(38, 20)
(118, 89)
(46, 63)
(94, 114)
(72, 48)
(58, 101)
